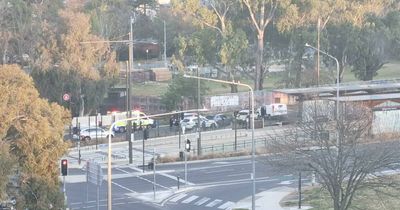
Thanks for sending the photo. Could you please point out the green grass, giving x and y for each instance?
(389, 71)
(366, 199)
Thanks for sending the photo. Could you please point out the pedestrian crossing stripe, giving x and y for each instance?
(190, 199)
(213, 203)
(201, 201)
(177, 198)
(226, 205)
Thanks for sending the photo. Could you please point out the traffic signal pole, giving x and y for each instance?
(129, 92)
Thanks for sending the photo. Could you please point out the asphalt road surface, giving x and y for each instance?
(211, 184)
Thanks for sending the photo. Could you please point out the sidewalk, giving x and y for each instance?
(268, 200)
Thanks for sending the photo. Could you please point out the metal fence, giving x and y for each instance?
(232, 147)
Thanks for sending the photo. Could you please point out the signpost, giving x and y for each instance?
(66, 97)
(94, 175)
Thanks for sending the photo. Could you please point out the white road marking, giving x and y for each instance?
(241, 174)
(190, 199)
(201, 201)
(286, 182)
(213, 203)
(125, 188)
(218, 171)
(177, 198)
(226, 205)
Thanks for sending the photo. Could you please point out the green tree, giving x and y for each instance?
(37, 194)
(369, 50)
(230, 42)
(340, 18)
(178, 89)
(67, 65)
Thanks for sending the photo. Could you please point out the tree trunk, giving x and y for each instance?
(258, 85)
(234, 88)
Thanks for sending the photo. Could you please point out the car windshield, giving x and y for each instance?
(210, 117)
(185, 120)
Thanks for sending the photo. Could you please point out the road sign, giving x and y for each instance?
(94, 173)
(66, 97)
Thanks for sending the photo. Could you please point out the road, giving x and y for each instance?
(211, 184)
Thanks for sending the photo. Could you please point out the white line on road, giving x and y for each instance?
(139, 177)
(226, 205)
(213, 203)
(125, 188)
(177, 198)
(218, 171)
(241, 174)
(190, 199)
(201, 201)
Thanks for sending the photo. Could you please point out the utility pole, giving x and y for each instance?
(129, 94)
(198, 115)
(165, 46)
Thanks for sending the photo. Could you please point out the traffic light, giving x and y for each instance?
(187, 145)
(64, 167)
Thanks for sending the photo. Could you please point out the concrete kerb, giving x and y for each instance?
(266, 200)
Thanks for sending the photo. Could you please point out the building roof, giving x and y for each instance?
(366, 87)
(366, 97)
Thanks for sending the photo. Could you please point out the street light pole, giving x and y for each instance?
(337, 80)
(253, 203)
(199, 124)
(337, 105)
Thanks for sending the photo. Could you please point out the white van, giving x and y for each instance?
(272, 110)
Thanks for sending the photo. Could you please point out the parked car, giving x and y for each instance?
(243, 115)
(207, 123)
(91, 133)
(220, 119)
(191, 122)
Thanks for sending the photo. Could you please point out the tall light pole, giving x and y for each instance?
(198, 116)
(129, 95)
(253, 150)
(337, 105)
(337, 79)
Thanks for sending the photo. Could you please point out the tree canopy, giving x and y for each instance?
(31, 127)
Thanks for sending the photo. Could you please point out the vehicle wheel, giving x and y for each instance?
(121, 129)
(86, 138)
(213, 126)
(109, 136)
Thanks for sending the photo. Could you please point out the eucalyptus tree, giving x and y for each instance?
(69, 57)
(231, 42)
(335, 23)
(370, 48)
(32, 129)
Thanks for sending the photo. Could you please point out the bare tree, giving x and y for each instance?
(339, 150)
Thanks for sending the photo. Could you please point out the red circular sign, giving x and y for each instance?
(66, 97)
